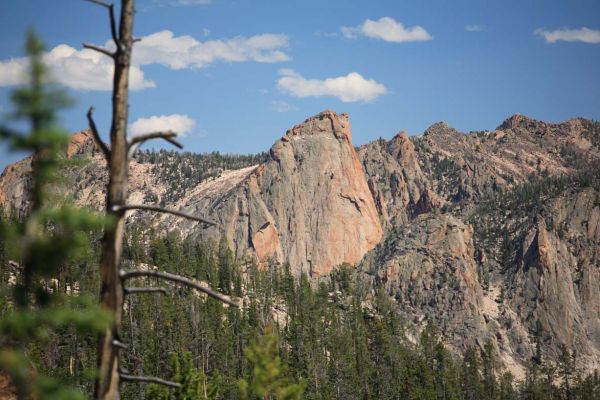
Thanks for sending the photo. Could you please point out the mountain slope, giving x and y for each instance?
(494, 235)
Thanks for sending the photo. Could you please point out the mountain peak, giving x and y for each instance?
(401, 136)
(325, 122)
(439, 128)
(518, 121)
(81, 142)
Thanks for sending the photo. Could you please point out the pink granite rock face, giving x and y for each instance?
(317, 193)
(309, 204)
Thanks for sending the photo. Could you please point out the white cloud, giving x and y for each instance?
(474, 28)
(78, 69)
(388, 29)
(350, 88)
(584, 35)
(89, 70)
(179, 52)
(178, 123)
(281, 106)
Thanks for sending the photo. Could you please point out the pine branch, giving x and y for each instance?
(178, 279)
(94, 130)
(161, 210)
(99, 49)
(135, 142)
(111, 15)
(148, 379)
(134, 290)
(6, 133)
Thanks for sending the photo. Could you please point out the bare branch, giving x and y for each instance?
(178, 279)
(100, 3)
(111, 14)
(168, 136)
(135, 142)
(99, 49)
(94, 130)
(133, 290)
(162, 210)
(113, 26)
(119, 344)
(137, 39)
(148, 379)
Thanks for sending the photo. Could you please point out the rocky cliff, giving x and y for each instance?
(308, 204)
(494, 235)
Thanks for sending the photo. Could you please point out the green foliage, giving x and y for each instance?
(337, 338)
(42, 244)
(194, 385)
(267, 378)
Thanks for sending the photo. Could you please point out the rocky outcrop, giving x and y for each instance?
(480, 232)
(428, 201)
(309, 204)
(555, 278)
(469, 167)
(395, 178)
(501, 267)
(81, 143)
(14, 186)
(15, 180)
(430, 267)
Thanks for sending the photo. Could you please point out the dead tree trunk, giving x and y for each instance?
(112, 289)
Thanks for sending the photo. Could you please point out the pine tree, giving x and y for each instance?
(489, 370)
(567, 370)
(267, 379)
(472, 383)
(506, 390)
(51, 235)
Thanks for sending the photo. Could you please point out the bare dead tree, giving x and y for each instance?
(112, 291)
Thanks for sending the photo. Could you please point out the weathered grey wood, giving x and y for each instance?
(178, 279)
(111, 291)
(149, 379)
(163, 210)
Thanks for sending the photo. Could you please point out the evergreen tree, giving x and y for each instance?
(567, 371)
(489, 362)
(267, 379)
(472, 382)
(51, 235)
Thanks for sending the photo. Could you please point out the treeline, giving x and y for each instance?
(181, 171)
(339, 339)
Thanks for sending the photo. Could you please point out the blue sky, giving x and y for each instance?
(233, 75)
